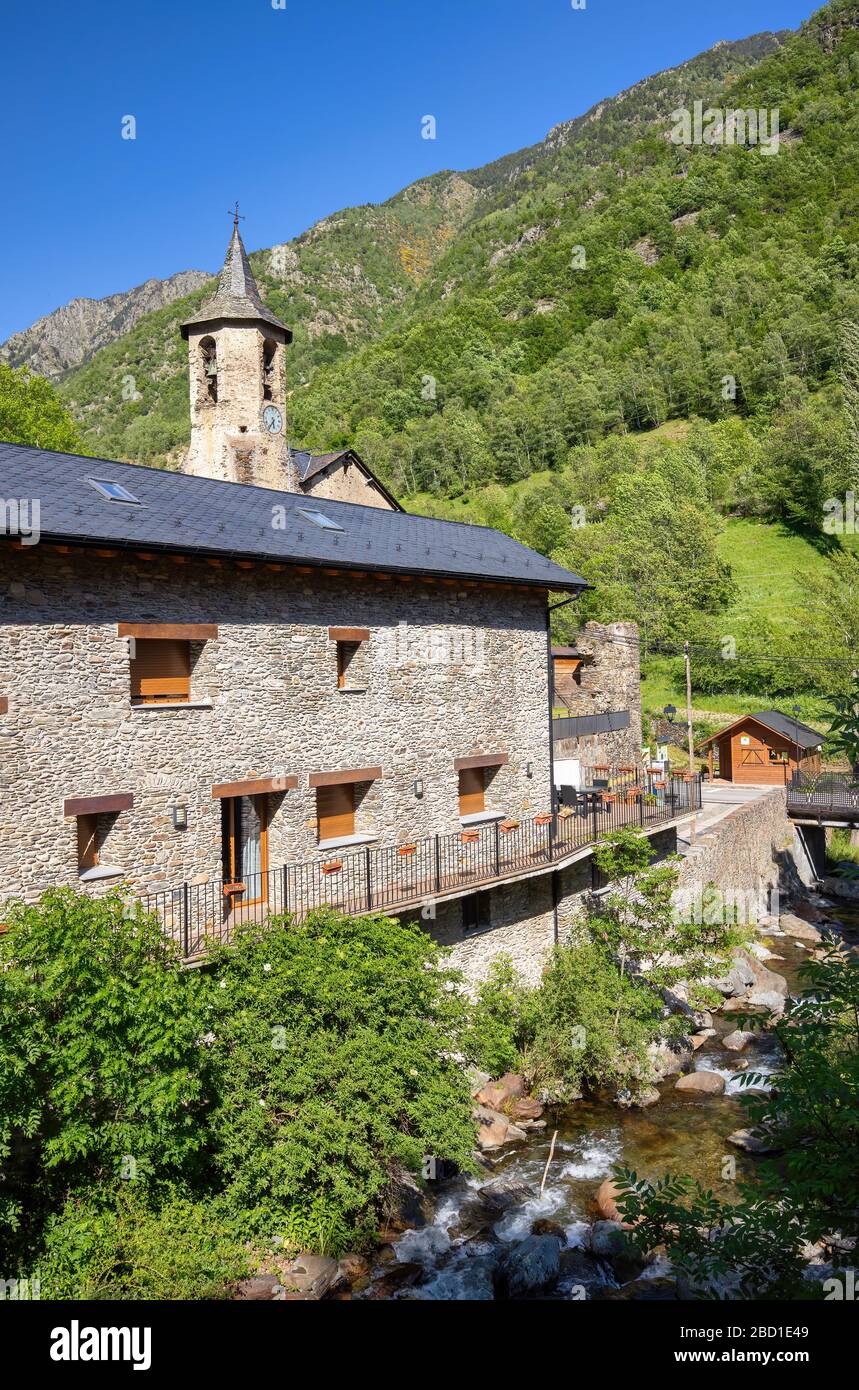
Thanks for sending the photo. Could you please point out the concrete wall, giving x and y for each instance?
(265, 704)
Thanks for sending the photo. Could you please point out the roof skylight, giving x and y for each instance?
(114, 492)
(319, 519)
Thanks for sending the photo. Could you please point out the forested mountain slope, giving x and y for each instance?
(361, 272)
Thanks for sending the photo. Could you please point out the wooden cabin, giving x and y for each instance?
(763, 749)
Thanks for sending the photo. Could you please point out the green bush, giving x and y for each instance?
(592, 1025)
(333, 1044)
(500, 1020)
(101, 1071)
(114, 1245)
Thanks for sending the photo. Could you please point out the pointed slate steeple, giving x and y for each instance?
(237, 299)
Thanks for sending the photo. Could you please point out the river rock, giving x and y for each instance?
(261, 1289)
(477, 1080)
(407, 1206)
(524, 1108)
(530, 1265)
(606, 1200)
(503, 1194)
(796, 927)
(499, 1095)
(309, 1277)
(579, 1269)
(736, 1041)
(752, 1142)
(736, 980)
(669, 1059)
(397, 1276)
(608, 1239)
(698, 1039)
(495, 1129)
(708, 1083)
(545, 1226)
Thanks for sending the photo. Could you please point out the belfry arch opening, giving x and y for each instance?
(269, 369)
(209, 366)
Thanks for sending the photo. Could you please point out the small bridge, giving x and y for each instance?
(823, 798)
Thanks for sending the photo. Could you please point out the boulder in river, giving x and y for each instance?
(608, 1239)
(802, 931)
(530, 1265)
(708, 1083)
(407, 1206)
(606, 1200)
(753, 1141)
(309, 1277)
(495, 1129)
(698, 1039)
(657, 1290)
(736, 1041)
(504, 1193)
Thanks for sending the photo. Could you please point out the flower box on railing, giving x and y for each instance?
(470, 837)
(405, 850)
(566, 813)
(333, 866)
(632, 795)
(609, 797)
(508, 826)
(543, 820)
(660, 785)
(231, 890)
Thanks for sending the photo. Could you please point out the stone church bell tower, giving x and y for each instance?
(236, 349)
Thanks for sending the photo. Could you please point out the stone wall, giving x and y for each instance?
(264, 703)
(750, 853)
(343, 481)
(610, 682)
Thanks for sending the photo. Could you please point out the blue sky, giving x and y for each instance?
(296, 112)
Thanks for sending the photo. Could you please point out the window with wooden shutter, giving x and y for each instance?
(472, 791)
(87, 843)
(335, 810)
(346, 652)
(160, 671)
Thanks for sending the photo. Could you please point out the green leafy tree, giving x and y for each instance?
(641, 925)
(334, 1044)
(32, 413)
(102, 1077)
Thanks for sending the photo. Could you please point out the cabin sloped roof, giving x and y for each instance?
(785, 724)
(185, 514)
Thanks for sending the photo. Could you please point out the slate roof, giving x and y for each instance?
(785, 724)
(185, 514)
(237, 296)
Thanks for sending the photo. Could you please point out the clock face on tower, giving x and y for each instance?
(272, 420)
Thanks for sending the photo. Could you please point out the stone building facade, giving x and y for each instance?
(264, 705)
(598, 696)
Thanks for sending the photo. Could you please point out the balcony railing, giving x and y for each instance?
(824, 794)
(397, 877)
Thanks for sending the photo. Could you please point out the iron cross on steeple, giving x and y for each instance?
(237, 216)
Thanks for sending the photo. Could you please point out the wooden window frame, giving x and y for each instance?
(231, 844)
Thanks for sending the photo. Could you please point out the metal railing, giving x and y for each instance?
(831, 793)
(396, 877)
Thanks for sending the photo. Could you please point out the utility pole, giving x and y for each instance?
(694, 827)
